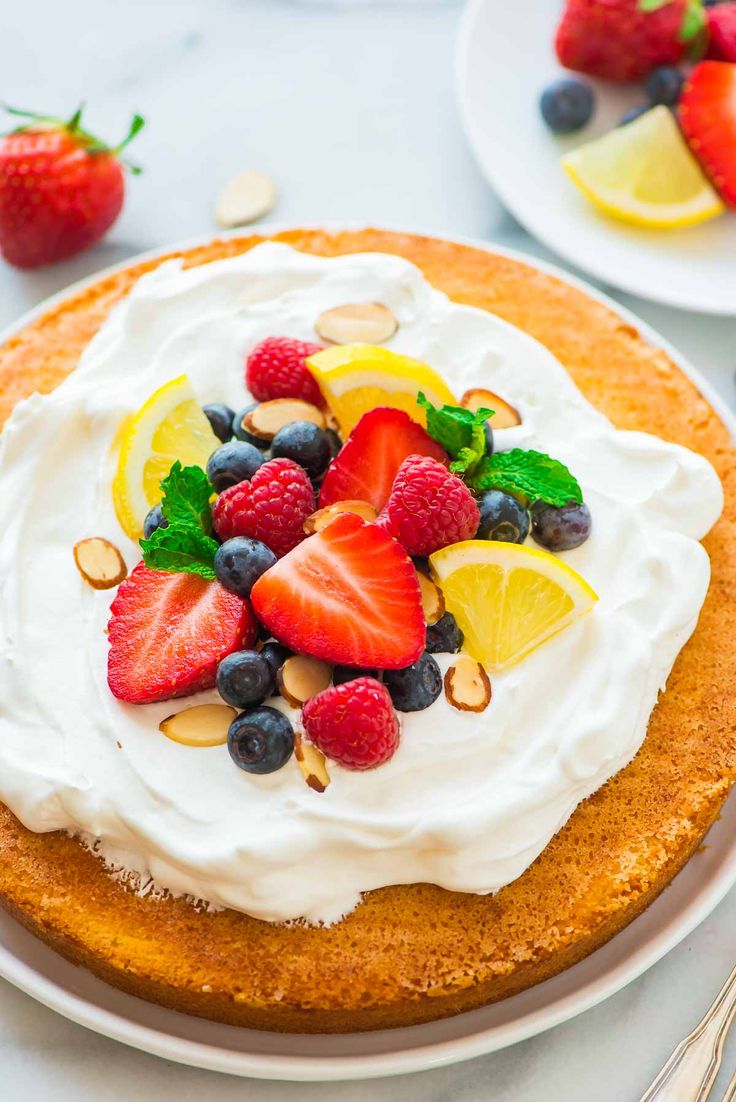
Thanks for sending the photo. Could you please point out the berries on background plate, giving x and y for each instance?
(708, 120)
(271, 507)
(502, 518)
(169, 632)
(275, 654)
(445, 636)
(561, 529)
(567, 105)
(429, 507)
(354, 723)
(348, 595)
(233, 462)
(722, 32)
(154, 519)
(239, 563)
(663, 85)
(221, 419)
(306, 443)
(245, 678)
(413, 689)
(241, 433)
(276, 368)
(634, 113)
(260, 740)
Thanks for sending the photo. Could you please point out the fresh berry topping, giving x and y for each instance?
(260, 740)
(502, 517)
(416, 687)
(663, 85)
(708, 119)
(234, 462)
(154, 519)
(561, 529)
(169, 632)
(245, 678)
(634, 113)
(348, 595)
(275, 654)
(272, 507)
(220, 418)
(354, 723)
(276, 368)
(305, 443)
(333, 439)
(241, 433)
(239, 563)
(366, 467)
(722, 32)
(567, 105)
(445, 636)
(429, 507)
(341, 674)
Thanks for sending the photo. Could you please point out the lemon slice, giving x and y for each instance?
(644, 173)
(508, 599)
(355, 378)
(169, 426)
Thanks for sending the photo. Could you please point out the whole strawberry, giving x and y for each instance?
(276, 368)
(429, 507)
(271, 507)
(60, 188)
(354, 723)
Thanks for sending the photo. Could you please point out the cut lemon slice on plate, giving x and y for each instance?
(644, 173)
(355, 378)
(169, 426)
(508, 599)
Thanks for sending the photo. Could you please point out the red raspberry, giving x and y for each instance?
(272, 507)
(354, 723)
(429, 507)
(276, 369)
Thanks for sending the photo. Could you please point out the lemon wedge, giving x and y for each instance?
(169, 426)
(355, 378)
(645, 174)
(508, 599)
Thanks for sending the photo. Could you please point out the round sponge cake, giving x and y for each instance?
(413, 953)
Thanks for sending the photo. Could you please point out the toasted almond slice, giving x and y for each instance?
(357, 323)
(99, 562)
(202, 725)
(505, 416)
(300, 678)
(312, 763)
(467, 685)
(266, 419)
(246, 197)
(433, 603)
(319, 520)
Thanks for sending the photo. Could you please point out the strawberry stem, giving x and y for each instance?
(91, 143)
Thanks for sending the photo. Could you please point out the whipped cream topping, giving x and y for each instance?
(468, 801)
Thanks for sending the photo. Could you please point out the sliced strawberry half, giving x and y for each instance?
(366, 466)
(708, 119)
(168, 633)
(347, 595)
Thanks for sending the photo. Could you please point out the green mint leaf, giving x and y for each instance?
(652, 5)
(455, 428)
(530, 475)
(186, 498)
(694, 21)
(467, 459)
(180, 549)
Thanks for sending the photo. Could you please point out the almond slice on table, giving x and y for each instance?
(202, 725)
(319, 520)
(265, 420)
(312, 763)
(300, 678)
(99, 562)
(505, 416)
(357, 323)
(467, 685)
(245, 198)
(433, 603)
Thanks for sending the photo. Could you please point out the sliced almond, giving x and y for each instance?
(300, 678)
(504, 417)
(319, 520)
(357, 323)
(265, 420)
(246, 197)
(467, 685)
(202, 725)
(99, 562)
(312, 763)
(433, 602)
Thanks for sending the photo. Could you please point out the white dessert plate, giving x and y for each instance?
(504, 58)
(75, 993)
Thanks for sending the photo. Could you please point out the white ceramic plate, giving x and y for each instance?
(76, 994)
(504, 59)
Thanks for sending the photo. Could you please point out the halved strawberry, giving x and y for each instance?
(168, 633)
(347, 595)
(366, 466)
(708, 119)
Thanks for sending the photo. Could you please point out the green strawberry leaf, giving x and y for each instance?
(694, 21)
(455, 428)
(186, 498)
(653, 5)
(529, 475)
(180, 549)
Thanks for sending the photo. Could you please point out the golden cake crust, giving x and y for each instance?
(414, 953)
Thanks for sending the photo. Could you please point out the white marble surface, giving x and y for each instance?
(350, 106)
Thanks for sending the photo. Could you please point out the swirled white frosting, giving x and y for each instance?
(469, 800)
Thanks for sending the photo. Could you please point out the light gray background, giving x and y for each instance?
(350, 106)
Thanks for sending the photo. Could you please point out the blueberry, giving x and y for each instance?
(245, 678)
(663, 85)
(634, 113)
(567, 104)
(445, 636)
(334, 441)
(561, 529)
(242, 434)
(489, 437)
(502, 518)
(221, 419)
(306, 444)
(239, 563)
(275, 654)
(154, 519)
(341, 674)
(232, 463)
(415, 687)
(260, 740)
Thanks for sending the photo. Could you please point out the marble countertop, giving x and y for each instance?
(350, 106)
